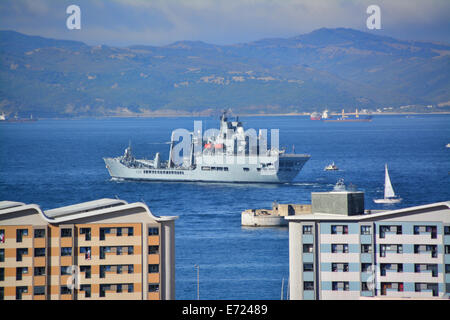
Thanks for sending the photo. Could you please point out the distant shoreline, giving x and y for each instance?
(239, 115)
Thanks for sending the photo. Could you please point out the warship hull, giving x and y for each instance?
(289, 167)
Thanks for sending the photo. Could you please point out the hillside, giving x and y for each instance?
(327, 68)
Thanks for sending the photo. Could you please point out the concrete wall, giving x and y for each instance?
(339, 203)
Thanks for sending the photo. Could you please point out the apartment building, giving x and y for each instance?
(102, 249)
(340, 251)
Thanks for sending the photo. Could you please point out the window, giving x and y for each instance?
(2, 293)
(392, 248)
(2, 235)
(39, 271)
(130, 287)
(119, 232)
(432, 230)
(246, 169)
(394, 267)
(2, 274)
(393, 286)
(308, 285)
(340, 286)
(307, 267)
(130, 250)
(21, 252)
(365, 286)
(447, 268)
(39, 233)
(153, 268)
(447, 249)
(104, 232)
(152, 231)
(66, 251)
(446, 230)
(339, 229)
(390, 229)
(20, 271)
(130, 268)
(86, 288)
(66, 270)
(130, 231)
(308, 248)
(86, 270)
(20, 233)
(103, 270)
(339, 267)
(20, 291)
(421, 248)
(65, 290)
(307, 229)
(39, 290)
(103, 288)
(86, 232)
(366, 230)
(339, 248)
(86, 251)
(2, 255)
(39, 252)
(426, 268)
(66, 233)
(433, 287)
(153, 249)
(153, 287)
(366, 267)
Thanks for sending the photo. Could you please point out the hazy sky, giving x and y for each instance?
(160, 22)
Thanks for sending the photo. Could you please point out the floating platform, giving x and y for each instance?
(274, 217)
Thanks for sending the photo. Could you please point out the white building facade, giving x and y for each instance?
(393, 254)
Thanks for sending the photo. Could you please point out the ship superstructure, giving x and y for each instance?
(230, 155)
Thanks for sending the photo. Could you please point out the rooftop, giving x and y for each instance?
(371, 215)
(84, 207)
(98, 207)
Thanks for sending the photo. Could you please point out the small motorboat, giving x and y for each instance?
(331, 167)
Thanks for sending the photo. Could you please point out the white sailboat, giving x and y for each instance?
(389, 194)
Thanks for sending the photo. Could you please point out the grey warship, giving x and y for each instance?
(228, 156)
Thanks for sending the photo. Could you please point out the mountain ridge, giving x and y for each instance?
(328, 68)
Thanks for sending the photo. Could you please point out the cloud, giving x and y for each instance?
(158, 22)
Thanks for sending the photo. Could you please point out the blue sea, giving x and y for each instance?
(55, 163)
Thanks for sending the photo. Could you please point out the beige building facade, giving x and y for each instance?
(102, 249)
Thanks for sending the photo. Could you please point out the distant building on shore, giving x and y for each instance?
(339, 251)
(102, 249)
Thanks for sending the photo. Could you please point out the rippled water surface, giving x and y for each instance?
(59, 162)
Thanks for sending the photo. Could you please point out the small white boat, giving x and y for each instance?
(331, 167)
(389, 194)
(448, 145)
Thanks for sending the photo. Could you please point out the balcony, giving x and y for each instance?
(153, 259)
(153, 240)
(39, 280)
(153, 296)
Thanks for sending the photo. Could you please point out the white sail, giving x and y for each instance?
(388, 190)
